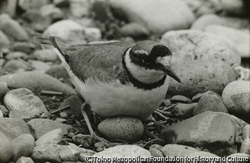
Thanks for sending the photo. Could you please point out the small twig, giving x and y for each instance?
(169, 107)
(60, 109)
(161, 115)
(51, 93)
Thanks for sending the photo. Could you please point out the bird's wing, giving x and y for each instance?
(99, 61)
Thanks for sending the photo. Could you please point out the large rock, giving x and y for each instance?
(207, 130)
(194, 45)
(211, 19)
(36, 82)
(13, 128)
(22, 103)
(202, 76)
(43, 126)
(158, 17)
(236, 97)
(239, 37)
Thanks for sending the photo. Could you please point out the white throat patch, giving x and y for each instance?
(141, 73)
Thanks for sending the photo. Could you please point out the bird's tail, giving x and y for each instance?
(59, 47)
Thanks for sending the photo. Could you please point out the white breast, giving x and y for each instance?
(113, 99)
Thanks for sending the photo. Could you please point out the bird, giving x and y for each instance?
(117, 78)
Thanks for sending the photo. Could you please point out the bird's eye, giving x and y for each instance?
(146, 60)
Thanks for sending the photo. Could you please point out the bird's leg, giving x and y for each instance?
(92, 133)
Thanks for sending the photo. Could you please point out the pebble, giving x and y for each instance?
(206, 128)
(51, 137)
(36, 82)
(24, 160)
(92, 34)
(3, 88)
(22, 103)
(210, 102)
(13, 127)
(211, 19)
(43, 126)
(16, 66)
(45, 55)
(5, 148)
(39, 65)
(155, 150)
(67, 30)
(202, 76)
(12, 28)
(239, 37)
(32, 4)
(194, 45)
(134, 30)
(244, 73)
(180, 98)
(171, 15)
(25, 47)
(236, 97)
(124, 151)
(80, 8)
(245, 146)
(16, 55)
(22, 146)
(129, 129)
(1, 114)
(64, 115)
(177, 150)
(4, 40)
(183, 110)
(58, 71)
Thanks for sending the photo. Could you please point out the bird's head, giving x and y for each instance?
(149, 62)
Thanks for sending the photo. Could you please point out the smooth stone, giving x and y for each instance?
(22, 146)
(183, 110)
(246, 132)
(4, 40)
(198, 96)
(45, 55)
(25, 47)
(67, 30)
(43, 126)
(92, 34)
(155, 150)
(129, 129)
(5, 148)
(59, 153)
(51, 137)
(12, 28)
(16, 66)
(22, 103)
(207, 130)
(58, 71)
(210, 102)
(180, 98)
(1, 114)
(124, 151)
(194, 45)
(237, 157)
(200, 8)
(234, 7)
(245, 146)
(135, 30)
(29, 4)
(36, 82)
(39, 65)
(236, 97)
(202, 76)
(13, 127)
(211, 19)
(80, 8)
(177, 150)
(64, 115)
(171, 15)
(24, 160)
(3, 88)
(239, 37)
(16, 55)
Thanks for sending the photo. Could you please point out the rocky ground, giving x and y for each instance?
(206, 115)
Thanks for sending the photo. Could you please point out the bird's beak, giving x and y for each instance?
(164, 61)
